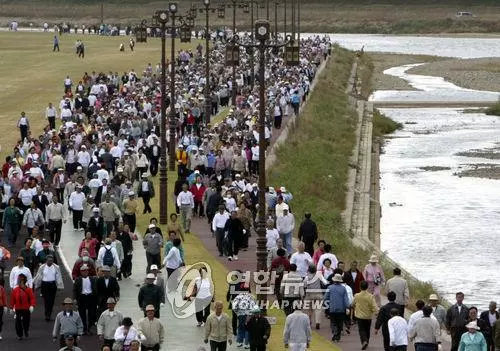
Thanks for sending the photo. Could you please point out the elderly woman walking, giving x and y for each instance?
(374, 276)
(473, 340)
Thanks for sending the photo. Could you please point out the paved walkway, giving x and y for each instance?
(181, 334)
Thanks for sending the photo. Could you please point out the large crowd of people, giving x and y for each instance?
(96, 159)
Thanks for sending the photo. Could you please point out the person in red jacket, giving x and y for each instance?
(22, 302)
(198, 189)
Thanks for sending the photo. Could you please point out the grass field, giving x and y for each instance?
(33, 75)
(389, 16)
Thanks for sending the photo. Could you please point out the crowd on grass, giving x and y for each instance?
(94, 162)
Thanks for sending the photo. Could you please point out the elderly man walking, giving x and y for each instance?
(108, 322)
(365, 308)
(400, 287)
(185, 202)
(337, 300)
(68, 322)
(48, 279)
(456, 319)
(218, 329)
(297, 332)
(286, 225)
(152, 329)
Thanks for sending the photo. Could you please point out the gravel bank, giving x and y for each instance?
(382, 61)
(479, 74)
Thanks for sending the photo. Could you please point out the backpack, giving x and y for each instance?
(108, 259)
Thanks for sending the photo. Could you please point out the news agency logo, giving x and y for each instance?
(180, 287)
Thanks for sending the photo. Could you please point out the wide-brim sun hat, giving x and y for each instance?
(373, 259)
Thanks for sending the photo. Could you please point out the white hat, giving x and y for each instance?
(433, 297)
(150, 276)
(373, 259)
(337, 278)
(95, 209)
(131, 193)
(472, 325)
(60, 169)
(151, 226)
(120, 169)
(153, 266)
(283, 189)
(144, 175)
(181, 146)
(79, 167)
(254, 185)
(237, 175)
(197, 172)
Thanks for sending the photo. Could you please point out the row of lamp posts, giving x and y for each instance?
(260, 41)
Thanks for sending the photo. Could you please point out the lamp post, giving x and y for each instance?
(262, 35)
(162, 18)
(208, 96)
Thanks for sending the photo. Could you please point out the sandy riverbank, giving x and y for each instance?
(479, 74)
(382, 61)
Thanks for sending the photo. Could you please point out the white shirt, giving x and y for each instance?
(102, 251)
(86, 286)
(173, 259)
(185, 198)
(49, 274)
(302, 261)
(219, 220)
(145, 186)
(330, 256)
(25, 195)
(492, 317)
(203, 287)
(76, 201)
(55, 211)
(271, 236)
(14, 274)
(398, 333)
(285, 224)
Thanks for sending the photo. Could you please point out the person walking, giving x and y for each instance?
(130, 208)
(107, 286)
(426, 334)
(69, 342)
(472, 340)
(495, 332)
(297, 331)
(301, 259)
(68, 322)
(146, 192)
(438, 311)
(22, 303)
(54, 217)
(337, 300)
(456, 319)
(286, 225)
(489, 318)
(313, 284)
(56, 45)
(218, 225)
(218, 330)
(308, 233)
(11, 222)
(374, 276)
(185, 202)
(203, 292)
(365, 308)
(153, 243)
(400, 287)
(259, 330)
(291, 289)
(108, 256)
(85, 295)
(24, 126)
(126, 238)
(398, 331)
(76, 207)
(235, 232)
(18, 270)
(151, 294)
(108, 322)
(383, 317)
(152, 329)
(48, 279)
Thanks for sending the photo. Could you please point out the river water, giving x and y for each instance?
(440, 227)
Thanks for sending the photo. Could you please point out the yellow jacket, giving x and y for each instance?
(364, 305)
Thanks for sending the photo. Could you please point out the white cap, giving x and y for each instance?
(153, 266)
(131, 193)
(95, 209)
(79, 167)
(151, 226)
(150, 276)
(120, 169)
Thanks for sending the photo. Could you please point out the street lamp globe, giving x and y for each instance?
(163, 17)
(172, 7)
(206, 2)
